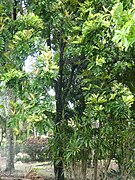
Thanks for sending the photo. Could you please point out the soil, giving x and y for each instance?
(34, 171)
(43, 170)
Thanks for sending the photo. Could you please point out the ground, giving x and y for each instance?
(44, 169)
(35, 171)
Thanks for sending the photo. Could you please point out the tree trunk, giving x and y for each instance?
(58, 164)
(10, 150)
(9, 134)
(84, 164)
(2, 133)
(61, 94)
(95, 164)
(106, 165)
(58, 169)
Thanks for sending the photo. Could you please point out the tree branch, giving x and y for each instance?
(65, 94)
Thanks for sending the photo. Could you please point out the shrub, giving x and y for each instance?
(36, 148)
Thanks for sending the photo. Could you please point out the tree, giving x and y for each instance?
(103, 66)
(106, 66)
(58, 20)
(74, 46)
(13, 53)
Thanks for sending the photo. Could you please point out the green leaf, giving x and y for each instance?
(100, 61)
(1, 106)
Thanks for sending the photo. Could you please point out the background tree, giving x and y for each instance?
(13, 54)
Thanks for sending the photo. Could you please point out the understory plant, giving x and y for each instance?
(36, 148)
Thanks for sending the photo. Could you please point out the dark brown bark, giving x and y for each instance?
(61, 94)
(65, 94)
(84, 167)
(14, 10)
(2, 133)
(95, 164)
(58, 164)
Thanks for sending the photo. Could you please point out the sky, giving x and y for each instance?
(28, 63)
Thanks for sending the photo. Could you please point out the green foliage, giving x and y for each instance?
(11, 74)
(44, 67)
(77, 51)
(123, 20)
